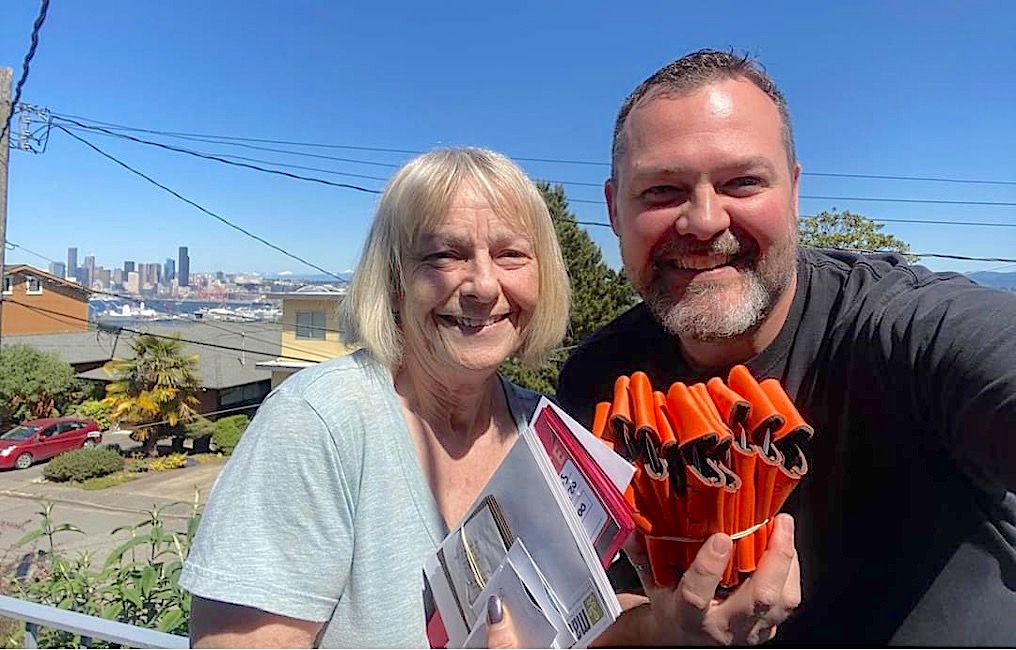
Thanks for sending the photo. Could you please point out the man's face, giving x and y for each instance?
(705, 205)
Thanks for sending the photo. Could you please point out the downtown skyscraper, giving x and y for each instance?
(183, 267)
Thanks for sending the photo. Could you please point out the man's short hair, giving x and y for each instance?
(415, 200)
(693, 71)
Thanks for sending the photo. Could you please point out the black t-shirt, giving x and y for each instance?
(906, 521)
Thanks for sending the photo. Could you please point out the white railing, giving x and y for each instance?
(88, 627)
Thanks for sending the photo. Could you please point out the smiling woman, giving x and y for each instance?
(390, 445)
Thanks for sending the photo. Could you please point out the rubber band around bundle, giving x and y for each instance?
(690, 540)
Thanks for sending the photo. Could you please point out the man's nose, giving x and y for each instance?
(704, 215)
(481, 284)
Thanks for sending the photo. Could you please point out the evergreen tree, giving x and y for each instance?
(599, 293)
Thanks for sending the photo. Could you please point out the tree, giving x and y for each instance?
(155, 391)
(851, 231)
(35, 384)
(599, 293)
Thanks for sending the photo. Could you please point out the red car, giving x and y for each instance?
(40, 439)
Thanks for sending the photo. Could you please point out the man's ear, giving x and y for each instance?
(795, 187)
(610, 194)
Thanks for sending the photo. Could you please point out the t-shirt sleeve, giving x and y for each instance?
(277, 531)
(957, 342)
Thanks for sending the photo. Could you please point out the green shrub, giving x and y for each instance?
(228, 431)
(95, 409)
(83, 464)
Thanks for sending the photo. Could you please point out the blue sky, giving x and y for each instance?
(888, 88)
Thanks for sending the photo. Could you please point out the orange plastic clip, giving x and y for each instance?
(763, 420)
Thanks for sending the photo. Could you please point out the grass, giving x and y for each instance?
(103, 482)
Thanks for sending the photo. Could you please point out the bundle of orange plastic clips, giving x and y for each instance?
(710, 457)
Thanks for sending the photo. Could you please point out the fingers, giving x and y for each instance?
(500, 633)
(767, 598)
(769, 584)
(698, 585)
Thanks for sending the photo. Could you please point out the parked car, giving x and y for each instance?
(41, 439)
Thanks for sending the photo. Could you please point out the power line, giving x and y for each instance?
(215, 158)
(222, 158)
(203, 209)
(988, 224)
(860, 250)
(206, 155)
(26, 62)
(30, 251)
(214, 325)
(120, 329)
(225, 139)
(1007, 204)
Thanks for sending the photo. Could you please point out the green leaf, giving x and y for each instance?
(68, 528)
(30, 537)
(116, 555)
(148, 578)
(169, 620)
(134, 597)
(112, 611)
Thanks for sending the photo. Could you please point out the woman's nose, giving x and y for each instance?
(481, 283)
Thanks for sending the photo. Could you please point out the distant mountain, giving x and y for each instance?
(1005, 281)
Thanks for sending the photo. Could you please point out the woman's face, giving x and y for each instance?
(471, 286)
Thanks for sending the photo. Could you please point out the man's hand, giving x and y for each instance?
(690, 614)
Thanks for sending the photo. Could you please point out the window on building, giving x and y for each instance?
(310, 325)
(8, 284)
(33, 284)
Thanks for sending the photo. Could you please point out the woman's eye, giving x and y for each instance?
(441, 256)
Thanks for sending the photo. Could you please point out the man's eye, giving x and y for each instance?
(743, 184)
(661, 193)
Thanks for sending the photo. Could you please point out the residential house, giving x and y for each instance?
(310, 332)
(228, 356)
(37, 302)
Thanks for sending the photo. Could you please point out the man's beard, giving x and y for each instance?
(704, 311)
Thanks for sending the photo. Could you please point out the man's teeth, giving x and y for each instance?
(700, 263)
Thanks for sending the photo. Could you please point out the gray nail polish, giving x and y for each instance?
(494, 610)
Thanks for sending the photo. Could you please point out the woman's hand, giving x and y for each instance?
(689, 614)
(500, 633)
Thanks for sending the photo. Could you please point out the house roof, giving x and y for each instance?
(218, 367)
(17, 269)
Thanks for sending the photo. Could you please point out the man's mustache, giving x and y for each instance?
(724, 244)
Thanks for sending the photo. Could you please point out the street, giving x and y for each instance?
(96, 512)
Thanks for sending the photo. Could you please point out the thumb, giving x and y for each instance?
(500, 633)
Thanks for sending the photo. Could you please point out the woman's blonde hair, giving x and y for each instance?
(414, 201)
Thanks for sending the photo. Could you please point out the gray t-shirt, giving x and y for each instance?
(323, 512)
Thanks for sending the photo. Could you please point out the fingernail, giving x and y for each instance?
(786, 523)
(495, 611)
(721, 545)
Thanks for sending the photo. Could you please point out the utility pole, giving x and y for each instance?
(6, 110)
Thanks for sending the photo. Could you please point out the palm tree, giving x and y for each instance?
(157, 388)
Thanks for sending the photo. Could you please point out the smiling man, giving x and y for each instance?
(906, 521)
